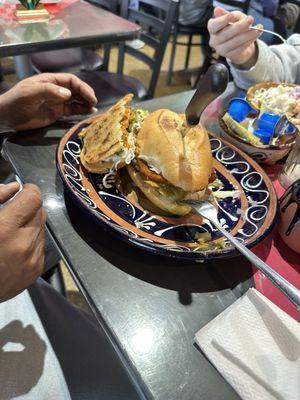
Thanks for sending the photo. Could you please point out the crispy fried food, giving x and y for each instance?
(105, 137)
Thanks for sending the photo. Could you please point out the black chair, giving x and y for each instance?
(71, 60)
(156, 29)
(190, 31)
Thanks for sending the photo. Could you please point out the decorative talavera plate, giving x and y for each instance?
(250, 217)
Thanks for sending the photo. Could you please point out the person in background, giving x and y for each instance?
(289, 13)
(251, 60)
(195, 12)
(274, 15)
(49, 349)
(264, 12)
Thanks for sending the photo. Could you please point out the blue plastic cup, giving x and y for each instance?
(239, 109)
(268, 122)
(263, 135)
(291, 129)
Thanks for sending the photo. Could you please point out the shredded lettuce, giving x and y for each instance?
(136, 118)
(214, 245)
(203, 237)
(205, 242)
(216, 184)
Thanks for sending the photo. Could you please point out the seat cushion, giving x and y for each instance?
(66, 60)
(110, 87)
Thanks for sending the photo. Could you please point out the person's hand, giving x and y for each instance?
(22, 239)
(231, 37)
(42, 99)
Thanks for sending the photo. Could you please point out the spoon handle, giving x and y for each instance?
(290, 291)
(212, 85)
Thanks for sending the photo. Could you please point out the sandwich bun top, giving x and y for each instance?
(181, 154)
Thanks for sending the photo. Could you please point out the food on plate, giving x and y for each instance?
(281, 99)
(268, 130)
(241, 130)
(205, 242)
(173, 161)
(109, 141)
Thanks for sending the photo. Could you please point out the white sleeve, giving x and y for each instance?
(280, 63)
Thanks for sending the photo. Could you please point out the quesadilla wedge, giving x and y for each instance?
(109, 141)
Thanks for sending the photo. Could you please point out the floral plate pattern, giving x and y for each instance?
(250, 217)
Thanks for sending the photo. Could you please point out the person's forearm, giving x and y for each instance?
(277, 63)
(250, 63)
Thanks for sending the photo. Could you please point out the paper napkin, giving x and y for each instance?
(256, 348)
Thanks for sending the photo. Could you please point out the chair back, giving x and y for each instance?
(230, 5)
(110, 5)
(156, 17)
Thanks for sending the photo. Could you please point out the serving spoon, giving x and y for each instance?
(212, 85)
(208, 211)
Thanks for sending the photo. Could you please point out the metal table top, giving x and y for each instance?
(149, 306)
(79, 24)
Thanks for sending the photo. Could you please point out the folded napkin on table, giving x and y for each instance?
(256, 348)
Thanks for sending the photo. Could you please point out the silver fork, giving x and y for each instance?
(208, 211)
(253, 27)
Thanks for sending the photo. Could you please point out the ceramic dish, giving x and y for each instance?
(263, 85)
(249, 217)
(265, 155)
(267, 85)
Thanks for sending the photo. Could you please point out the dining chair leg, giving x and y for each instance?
(121, 58)
(1, 74)
(188, 52)
(107, 48)
(172, 59)
(23, 66)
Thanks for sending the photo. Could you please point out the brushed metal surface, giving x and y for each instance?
(149, 306)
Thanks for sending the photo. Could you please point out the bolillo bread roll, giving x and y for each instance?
(181, 154)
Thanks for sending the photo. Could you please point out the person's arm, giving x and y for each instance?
(231, 37)
(42, 99)
(251, 60)
(280, 63)
(22, 239)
